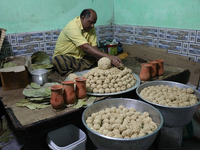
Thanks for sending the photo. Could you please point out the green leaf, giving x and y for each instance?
(35, 85)
(90, 100)
(79, 104)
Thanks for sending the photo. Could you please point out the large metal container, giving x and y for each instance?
(173, 116)
(109, 143)
(39, 76)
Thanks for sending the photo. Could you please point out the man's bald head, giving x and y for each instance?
(88, 19)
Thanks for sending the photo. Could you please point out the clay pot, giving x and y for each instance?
(154, 65)
(145, 73)
(160, 67)
(81, 91)
(69, 92)
(57, 100)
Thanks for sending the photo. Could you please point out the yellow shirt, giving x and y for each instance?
(71, 37)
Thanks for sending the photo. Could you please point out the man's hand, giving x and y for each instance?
(93, 51)
(116, 61)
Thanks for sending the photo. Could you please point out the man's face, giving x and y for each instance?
(88, 23)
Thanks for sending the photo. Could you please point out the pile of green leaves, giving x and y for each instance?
(36, 96)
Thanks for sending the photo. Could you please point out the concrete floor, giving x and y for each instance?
(187, 144)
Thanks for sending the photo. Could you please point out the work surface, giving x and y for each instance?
(34, 125)
(25, 117)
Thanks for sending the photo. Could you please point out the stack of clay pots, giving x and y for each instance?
(151, 70)
(67, 93)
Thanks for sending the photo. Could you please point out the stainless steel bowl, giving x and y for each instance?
(39, 76)
(109, 143)
(173, 116)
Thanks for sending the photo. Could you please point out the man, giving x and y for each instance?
(76, 47)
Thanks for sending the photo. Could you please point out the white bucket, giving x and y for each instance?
(67, 138)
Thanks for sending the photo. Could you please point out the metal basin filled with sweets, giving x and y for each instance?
(177, 102)
(122, 123)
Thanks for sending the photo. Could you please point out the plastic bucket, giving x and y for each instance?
(67, 138)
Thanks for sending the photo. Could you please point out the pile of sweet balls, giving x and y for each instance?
(108, 79)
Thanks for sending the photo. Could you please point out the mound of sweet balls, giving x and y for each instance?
(108, 79)
(121, 122)
(170, 96)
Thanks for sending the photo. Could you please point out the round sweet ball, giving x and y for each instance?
(104, 63)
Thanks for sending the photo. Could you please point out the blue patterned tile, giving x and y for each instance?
(135, 30)
(148, 32)
(50, 46)
(29, 48)
(192, 58)
(155, 42)
(179, 35)
(170, 45)
(143, 41)
(19, 53)
(47, 36)
(105, 29)
(173, 52)
(42, 47)
(161, 33)
(105, 37)
(185, 48)
(125, 39)
(192, 36)
(198, 37)
(55, 34)
(124, 30)
(194, 49)
(13, 39)
(30, 37)
(198, 59)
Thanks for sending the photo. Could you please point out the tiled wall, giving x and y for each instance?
(176, 41)
(25, 44)
(181, 42)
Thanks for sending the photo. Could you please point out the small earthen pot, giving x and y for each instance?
(69, 92)
(81, 91)
(145, 73)
(154, 66)
(57, 100)
(160, 67)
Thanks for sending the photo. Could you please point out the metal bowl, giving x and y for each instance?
(39, 76)
(105, 142)
(173, 116)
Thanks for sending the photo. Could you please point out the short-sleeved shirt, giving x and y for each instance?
(73, 36)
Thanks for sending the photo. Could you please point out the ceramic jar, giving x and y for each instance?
(57, 100)
(145, 73)
(160, 67)
(81, 91)
(154, 65)
(69, 92)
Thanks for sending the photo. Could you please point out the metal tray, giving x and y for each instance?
(81, 73)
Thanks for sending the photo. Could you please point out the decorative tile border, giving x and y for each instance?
(176, 41)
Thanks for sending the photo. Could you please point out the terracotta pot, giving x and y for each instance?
(160, 67)
(57, 100)
(69, 92)
(154, 65)
(145, 73)
(81, 91)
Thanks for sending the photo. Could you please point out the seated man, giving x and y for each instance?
(76, 47)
